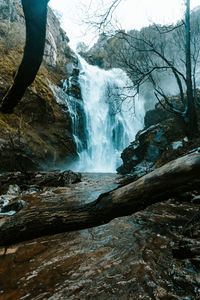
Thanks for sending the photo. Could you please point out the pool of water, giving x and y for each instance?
(129, 258)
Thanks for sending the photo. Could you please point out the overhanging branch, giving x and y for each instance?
(35, 12)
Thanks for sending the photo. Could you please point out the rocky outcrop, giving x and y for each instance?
(162, 140)
(71, 85)
(13, 182)
(12, 32)
(39, 133)
(102, 54)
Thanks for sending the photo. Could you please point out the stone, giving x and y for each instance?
(14, 189)
(152, 153)
(13, 207)
(196, 199)
(55, 178)
(16, 182)
(155, 116)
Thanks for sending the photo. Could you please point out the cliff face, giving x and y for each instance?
(39, 133)
(12, 32)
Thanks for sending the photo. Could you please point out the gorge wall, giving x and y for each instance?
(38, 134)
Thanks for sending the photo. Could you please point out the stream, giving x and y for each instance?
(129, 258)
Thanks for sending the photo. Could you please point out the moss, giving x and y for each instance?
(14, 127)
(9, 61)
(38, 122)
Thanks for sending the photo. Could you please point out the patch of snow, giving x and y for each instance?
(196, 150)
(9, 213)
(148, 129)
(176, 145)
(4, 200)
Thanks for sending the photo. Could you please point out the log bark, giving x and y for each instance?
(35, 12)
(170, 180)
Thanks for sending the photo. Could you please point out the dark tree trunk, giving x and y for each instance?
(35, 12)
(170, 180)
(191, 118)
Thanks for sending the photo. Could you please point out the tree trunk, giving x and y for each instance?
(35, 12)
(170, 180)
(191, 118)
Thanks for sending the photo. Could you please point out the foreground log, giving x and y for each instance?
(35, 12)
(170, 180)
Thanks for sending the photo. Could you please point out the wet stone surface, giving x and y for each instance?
(129, 258)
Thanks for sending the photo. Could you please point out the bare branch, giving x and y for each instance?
(168, 29)
(170, 105)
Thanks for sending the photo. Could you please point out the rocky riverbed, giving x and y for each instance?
(134, 257)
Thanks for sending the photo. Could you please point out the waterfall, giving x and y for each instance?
(106, 120)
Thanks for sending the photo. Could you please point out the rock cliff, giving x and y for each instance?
(162, 140)
(38, 134)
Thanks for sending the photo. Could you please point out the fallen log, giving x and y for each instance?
(170, 180)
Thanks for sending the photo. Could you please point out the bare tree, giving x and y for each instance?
(158, 51)
(35, 12)
(151, 54)
(102, 15)
(190, 110)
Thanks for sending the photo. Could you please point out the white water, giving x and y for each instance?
(109, 125)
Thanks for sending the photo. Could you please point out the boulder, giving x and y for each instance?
(11, 182)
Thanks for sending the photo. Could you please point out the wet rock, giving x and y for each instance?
(71, 86)
(23, 184)
(30, 189)
(9, 10)
(143, 168)
(186, 249)
(12, 162)
(27, 254)
(192, 227)
(156, 116)
(146, 149)
(13, 207)
(17, 181)
(152, 153)
(14, 189)
(56, 178)
(9, 179)
(196, 199)
(162, 140)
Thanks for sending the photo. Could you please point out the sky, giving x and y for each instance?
(130, 14)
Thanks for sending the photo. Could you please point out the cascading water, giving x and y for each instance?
(110, 120)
